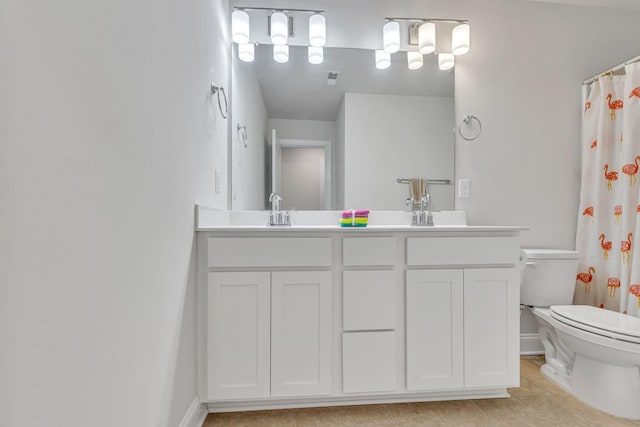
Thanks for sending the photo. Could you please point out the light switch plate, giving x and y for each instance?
(464, 188)
(217, 180)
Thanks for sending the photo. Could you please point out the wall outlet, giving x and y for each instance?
(464, 188)
(217, 180)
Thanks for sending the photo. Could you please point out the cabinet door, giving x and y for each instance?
(301, 333)
(492, 327)
(434, 329)
(238, 335)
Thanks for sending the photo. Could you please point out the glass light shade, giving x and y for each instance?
(281, 53)
(316, 55)
(446, 61)
(383, 60)
(414, 60)
(317, 30)
(460, 39)
(391, 37)
(240, 26)
(279, 28)
(246, 52)
(427, 38)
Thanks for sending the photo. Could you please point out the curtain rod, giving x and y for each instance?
(612, 70)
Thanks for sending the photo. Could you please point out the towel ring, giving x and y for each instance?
(467, 120)
(218, 90)
(242, 134)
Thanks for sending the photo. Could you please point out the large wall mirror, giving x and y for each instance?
(340, 134)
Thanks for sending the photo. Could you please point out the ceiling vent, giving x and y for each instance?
(332, 78)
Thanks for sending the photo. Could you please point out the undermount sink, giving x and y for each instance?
(214, 218)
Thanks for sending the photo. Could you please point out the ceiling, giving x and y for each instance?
(299, 90)
(621, 4)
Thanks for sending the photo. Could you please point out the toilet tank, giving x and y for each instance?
(549, 277)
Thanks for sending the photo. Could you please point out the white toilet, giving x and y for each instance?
(592, 353)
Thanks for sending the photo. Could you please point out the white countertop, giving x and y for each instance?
(209, 219)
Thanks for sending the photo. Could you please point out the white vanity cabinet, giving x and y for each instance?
(476, 310)
(369, 315)
(268, 332)
(326, 316)
(434, 311)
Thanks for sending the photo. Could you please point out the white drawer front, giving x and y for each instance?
(369, 300)
(368, 361)
(463, 250)
(269, 252)
(369, 251)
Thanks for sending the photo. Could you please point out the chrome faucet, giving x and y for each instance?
(277, 217)
(422, 217)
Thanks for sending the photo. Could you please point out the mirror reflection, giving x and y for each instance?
(339, 135)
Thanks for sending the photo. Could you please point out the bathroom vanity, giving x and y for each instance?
(318, 315)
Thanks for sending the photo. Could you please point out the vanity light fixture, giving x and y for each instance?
(446, 61)
(279, 29)
(383, 60)
(427, 38)
(316, 55)
(460, 39)
(240, 26)
(414, 60)
(391, 37)
(317, 30)
(246, 52)
(422, 38)
(281, 53)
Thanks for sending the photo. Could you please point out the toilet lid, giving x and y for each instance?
(599, 321)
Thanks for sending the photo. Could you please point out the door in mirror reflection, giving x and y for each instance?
(301, 172)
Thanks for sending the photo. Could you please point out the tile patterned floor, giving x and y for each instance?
(537, 402)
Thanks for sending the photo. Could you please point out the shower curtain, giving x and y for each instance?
(609, 217)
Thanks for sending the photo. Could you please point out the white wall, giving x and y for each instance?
(248, 163)
(389, 137)
(107, 140)
(524, 84)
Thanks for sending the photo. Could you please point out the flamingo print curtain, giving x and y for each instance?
(609, 218)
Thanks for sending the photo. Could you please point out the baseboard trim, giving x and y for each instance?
(288, 403)
(530, 345)
(195, 415)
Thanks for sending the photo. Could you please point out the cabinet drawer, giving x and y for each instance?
(368, 361)
(369, 300)
(463, 250)
(269, 252)
(369, 251)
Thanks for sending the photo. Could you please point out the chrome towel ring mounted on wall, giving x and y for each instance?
(468, 121)
(218, 90)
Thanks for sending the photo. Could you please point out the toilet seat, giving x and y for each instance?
(599, 321)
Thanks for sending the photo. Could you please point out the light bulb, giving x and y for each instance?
(446, 61)
(281, 53)
(240, 26)
(460, 39)
(383, 60)
(391, 37)
(317, 30)
(246, 52)
(279, 28)
(316, 55)
(427, 38)
(414, 60)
